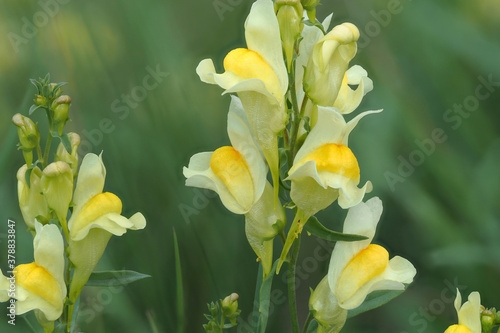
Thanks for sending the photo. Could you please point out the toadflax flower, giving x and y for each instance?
(324, 168)
(258, 75)
(96, 217)
(40, 285)
(358, 268)
(238, 174)
(31, 201)
(57, 188)
(326, 310)
(469, 314)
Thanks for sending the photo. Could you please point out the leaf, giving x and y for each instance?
(374, 300)
(256, 303)
(316, 24)
(264, 298)
(317, 229)
(180, 294)
(313, 326)
(33, 108)
(114, 278)
(66, 143)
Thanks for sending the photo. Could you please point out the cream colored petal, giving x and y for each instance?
(350, 195)
(253, 85)
(348, 99)
(458, 301)
(329, 129)
(263, 36)
(4, 288)
(90, 180)
(111, 222)
(361, 219)
(469, 314)
(242, 139)
(206, 71)
(352, 123)
(27, 301)
(138, 221)
(49, 252)
(325, 308)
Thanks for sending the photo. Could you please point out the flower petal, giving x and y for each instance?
(469, 314)
(90, 180)
(325, 308)
(352, 123)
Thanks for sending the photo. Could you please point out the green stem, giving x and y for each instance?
(308, 322)
(39, 152)
(49, 140)
(292, 300)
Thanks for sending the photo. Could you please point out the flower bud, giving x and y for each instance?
(230, 307)
(29, 136)
(487, 320)
(31, 201)
(289, 14)
(57, 187)
(61, 108)
(310, 7)
(70, 158)
(40, 100)
(325, 308)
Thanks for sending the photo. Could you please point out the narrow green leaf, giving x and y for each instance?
(54, 134)
(114, 278)
(256, 301)
(33, 108)
(316, 24)
(313, 326)
(180, 294)
(75, 315)
(317, 229)
(374, 300)
(265, 296)
(66, 143)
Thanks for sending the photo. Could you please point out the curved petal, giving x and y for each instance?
(352, 123)
(114, 223)
(49, 252)
(350, 195)
(27, 301)
(138, 221)
(263, 36)
(325, 308)
(348, 99)
(90, 180)
(469, 314)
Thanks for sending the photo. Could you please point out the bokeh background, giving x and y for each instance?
(426, 57)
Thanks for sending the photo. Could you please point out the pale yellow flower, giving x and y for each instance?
(359, 268)
(469, 314)
(31, 200)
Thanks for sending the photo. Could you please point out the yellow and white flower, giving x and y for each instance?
(326, 310)
(358, 268)
(238, 172)
(328, 63)
(469, 314)
(324, 168)
(96, 217)
(31, 200)
(40, 285)
(258, 75)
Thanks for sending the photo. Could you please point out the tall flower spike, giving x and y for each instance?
(325, 168)
(40, 285)
(326, 310)
(358, 268)
(469, 314)
(31, 201)
(96, 217)
(258, 75)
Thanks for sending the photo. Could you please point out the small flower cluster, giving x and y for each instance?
(71, 224)
(294, 87)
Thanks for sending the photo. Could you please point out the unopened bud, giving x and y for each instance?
(310, 7)
(40, 100)
(29, 136)
(487, 320)
(57, 187)
(289, 14)
(230, 307)
(31, 201)
(61, 109)
(71, 158)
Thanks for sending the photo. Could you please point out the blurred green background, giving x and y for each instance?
(425, 58)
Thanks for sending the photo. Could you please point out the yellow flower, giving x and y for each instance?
(258, 74)
(469, 314)
(96, 217)
(358, 268)
(40, 285)
(57, 188)
(326, 310)
(70, 158)
(238, 174)
(325, 168)
(328, 63)
(31, 200)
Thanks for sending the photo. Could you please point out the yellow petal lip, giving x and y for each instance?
(37, 280)
(363, 267)
(231, 168)
(458, 329)
(99, 205)
(248, 64)
(335, 158)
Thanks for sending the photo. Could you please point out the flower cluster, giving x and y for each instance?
(47, 196)
(294, 88)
